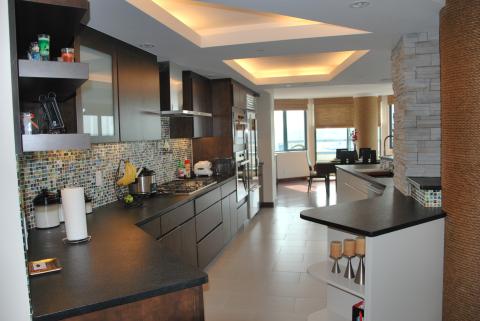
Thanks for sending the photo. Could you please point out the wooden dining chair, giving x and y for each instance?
(323, 170)
(320, 170)
(311, 172)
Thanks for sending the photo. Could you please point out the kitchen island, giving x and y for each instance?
(123, 271)
(404, 251)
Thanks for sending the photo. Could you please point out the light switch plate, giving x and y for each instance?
(98, 178)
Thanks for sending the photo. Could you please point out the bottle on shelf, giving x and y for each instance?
(188, 168)
(180, 170)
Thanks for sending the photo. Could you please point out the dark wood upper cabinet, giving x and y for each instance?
(226, 95)
(120, 100)
(97, 99)
(138, 99)
(239, 96)
(197, 96)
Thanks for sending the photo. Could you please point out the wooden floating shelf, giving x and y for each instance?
(40, 77)
(47, 142)
(322, 271)
(325, 315)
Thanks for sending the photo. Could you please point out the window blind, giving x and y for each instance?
(291, 104)
(334, 112)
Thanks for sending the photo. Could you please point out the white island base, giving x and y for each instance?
(404, 277)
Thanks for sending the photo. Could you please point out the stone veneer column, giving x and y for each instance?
(460, 60)
(416, 84)
(366, 121)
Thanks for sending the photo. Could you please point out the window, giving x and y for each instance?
(290, 130)
(328, 140)
(391, 110)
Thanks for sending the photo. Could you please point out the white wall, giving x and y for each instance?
(266, 146)
(14, 301)
(292, 164)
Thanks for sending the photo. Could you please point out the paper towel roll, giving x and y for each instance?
(73, 202)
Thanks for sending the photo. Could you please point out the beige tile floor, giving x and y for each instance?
(261, 275)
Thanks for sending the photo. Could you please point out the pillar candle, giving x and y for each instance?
(349, 247)
(360, 246)
(335, 249)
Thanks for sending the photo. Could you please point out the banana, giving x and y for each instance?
(129, 174)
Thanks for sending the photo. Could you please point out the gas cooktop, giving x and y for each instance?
(186, 186)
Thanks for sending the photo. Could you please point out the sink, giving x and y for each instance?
(375, 172)
(380, 174)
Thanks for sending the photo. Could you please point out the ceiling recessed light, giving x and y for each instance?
(359, 4)
(146, 45)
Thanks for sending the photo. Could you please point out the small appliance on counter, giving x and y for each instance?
(47, 205)
(145, 183)
(203, 168)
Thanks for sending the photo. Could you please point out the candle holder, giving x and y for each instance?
(336, 266)
(360, 276)
(349, 274)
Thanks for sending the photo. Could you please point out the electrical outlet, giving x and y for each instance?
(98, 178)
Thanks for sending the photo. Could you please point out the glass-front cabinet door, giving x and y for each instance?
(97, 99)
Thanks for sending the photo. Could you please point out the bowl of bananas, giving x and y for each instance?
(121, 184)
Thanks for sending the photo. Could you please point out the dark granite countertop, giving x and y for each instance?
(426, 183)
(121, 264)
(374, 216)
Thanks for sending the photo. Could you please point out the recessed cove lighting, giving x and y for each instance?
(359, 4)
(146, 45)
(289, 69)
(209, 24)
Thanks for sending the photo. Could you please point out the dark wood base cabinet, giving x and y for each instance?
(185, 305)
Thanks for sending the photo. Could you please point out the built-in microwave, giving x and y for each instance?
(239, 129)
(241, 173)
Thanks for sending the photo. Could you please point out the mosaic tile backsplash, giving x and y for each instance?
(54, 170)
(428, 198)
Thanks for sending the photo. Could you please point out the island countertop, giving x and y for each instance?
(121, 264)
(374, 216)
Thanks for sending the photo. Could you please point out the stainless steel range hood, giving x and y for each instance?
(171, 92)
(184, 113)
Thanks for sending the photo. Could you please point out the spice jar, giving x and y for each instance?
(68, 54)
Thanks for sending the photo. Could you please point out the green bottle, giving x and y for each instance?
(44, 46)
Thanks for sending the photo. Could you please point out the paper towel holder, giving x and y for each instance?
(85, 240)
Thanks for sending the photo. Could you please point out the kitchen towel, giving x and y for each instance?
(73, 202)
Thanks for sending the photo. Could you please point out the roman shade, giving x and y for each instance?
(391, 100)
(291, 104)
(379, 102)
(334, 112)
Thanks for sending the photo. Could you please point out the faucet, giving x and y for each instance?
(385, 144)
